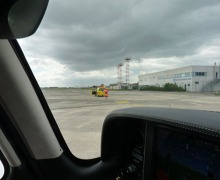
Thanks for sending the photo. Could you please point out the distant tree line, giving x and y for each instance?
(166, 87)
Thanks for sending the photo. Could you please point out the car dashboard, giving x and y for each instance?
(160, 143)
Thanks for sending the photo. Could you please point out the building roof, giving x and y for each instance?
(179, 68)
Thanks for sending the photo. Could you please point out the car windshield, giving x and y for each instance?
(138, 53)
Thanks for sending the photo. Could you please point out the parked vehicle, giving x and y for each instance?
(100, 91)
(94, 90)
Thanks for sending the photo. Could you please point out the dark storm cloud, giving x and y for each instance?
(92, 35)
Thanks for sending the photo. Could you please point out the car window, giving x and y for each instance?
(144, 53)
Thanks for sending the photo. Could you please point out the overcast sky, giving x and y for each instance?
(80, 43)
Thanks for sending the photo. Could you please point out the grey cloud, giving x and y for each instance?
(92, 35)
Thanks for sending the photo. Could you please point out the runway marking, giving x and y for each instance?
(129, 103)
(122, 102)
(134, 105)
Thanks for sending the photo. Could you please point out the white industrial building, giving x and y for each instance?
(191, 78)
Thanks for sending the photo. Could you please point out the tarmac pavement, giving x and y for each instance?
(80, 115)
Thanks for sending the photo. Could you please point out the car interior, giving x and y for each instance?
(137, 143)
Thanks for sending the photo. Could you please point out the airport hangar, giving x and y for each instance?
(191, 78)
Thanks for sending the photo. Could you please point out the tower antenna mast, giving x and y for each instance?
(127, 63)
(119, 68)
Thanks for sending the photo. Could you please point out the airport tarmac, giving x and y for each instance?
(80, 115)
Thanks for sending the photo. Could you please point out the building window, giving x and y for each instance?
(199, 73)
